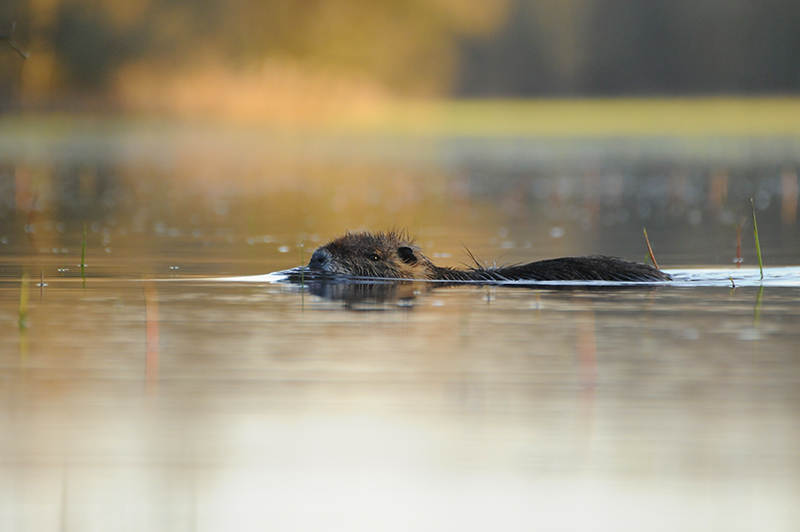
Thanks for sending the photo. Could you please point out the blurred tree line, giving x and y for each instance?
(637, 47)
(414, 47)
(78, 46)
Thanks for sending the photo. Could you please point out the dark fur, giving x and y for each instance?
(394, 255)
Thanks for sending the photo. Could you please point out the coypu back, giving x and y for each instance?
(395, 255)
(593, 268)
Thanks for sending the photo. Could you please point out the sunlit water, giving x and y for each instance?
(207, 405)
(182, 386)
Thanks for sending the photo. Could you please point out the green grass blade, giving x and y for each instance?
(302, 276)
(758, 245)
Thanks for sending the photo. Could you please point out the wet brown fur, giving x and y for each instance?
(395, 255)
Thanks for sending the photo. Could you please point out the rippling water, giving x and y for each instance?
(180, 387)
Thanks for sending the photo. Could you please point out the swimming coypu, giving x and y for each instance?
(394, 255)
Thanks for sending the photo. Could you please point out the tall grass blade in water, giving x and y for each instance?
(649, 249)
(302, 275)
(758, 245)
(83, 256)
(302, 264)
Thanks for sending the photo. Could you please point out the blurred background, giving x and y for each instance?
(290, 60)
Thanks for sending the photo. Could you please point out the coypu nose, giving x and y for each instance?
(320, 260)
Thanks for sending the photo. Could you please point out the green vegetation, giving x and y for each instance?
(758, 245)
(594, 118)
(621, 117)
(649, 249)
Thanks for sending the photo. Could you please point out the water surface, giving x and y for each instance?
(179, 388)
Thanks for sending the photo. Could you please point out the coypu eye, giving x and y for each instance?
(406, 254)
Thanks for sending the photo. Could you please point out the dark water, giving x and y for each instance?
(163, 395)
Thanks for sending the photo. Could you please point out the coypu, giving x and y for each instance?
(394, 255)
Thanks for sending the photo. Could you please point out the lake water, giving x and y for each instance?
(179, 388)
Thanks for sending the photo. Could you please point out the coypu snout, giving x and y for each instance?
(321, 261)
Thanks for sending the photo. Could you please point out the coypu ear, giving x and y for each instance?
(406, 254)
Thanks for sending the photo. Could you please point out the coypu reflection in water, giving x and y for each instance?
(378, 295)
(394, 255)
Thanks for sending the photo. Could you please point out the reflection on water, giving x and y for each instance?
(506, 199)
(159, 398)
(247, 403)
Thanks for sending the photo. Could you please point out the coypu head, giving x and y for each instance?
(390, 255)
